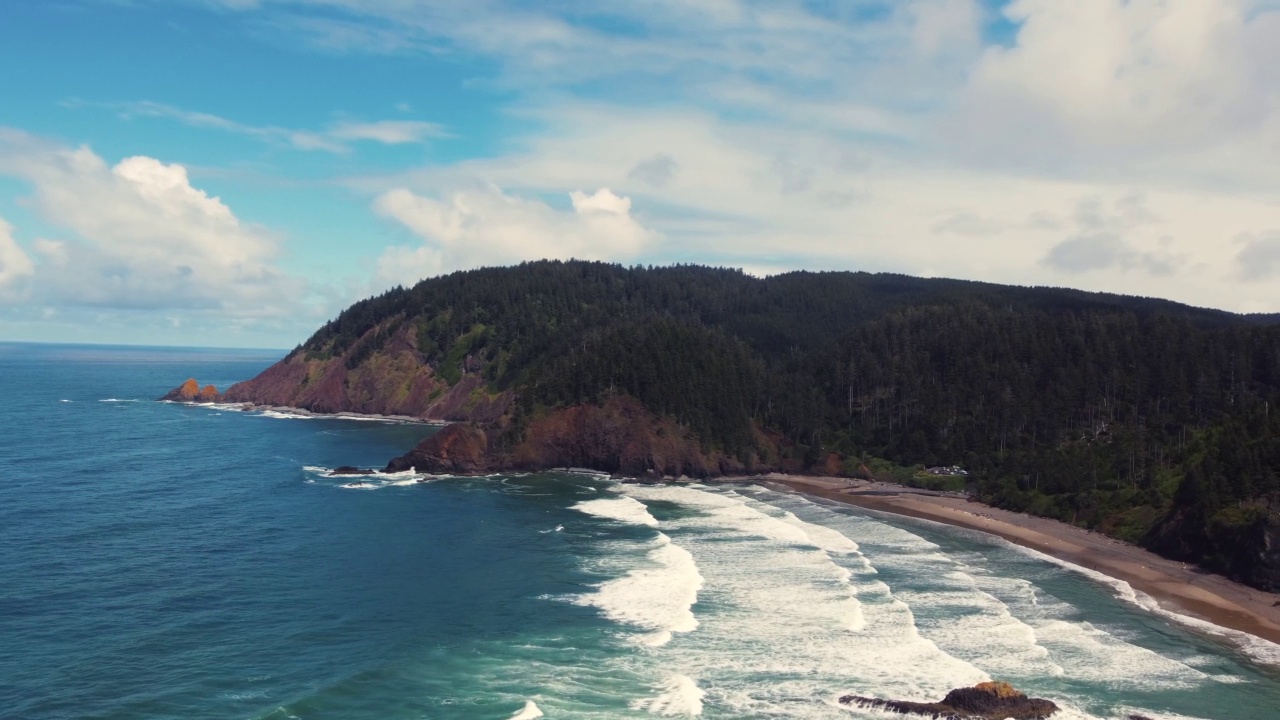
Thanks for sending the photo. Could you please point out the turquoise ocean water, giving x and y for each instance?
(167, 561)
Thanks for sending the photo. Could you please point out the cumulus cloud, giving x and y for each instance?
(656, 170)
(15, 266)
(967, 224)
(1116, 80)
(490, 227)
(1102, 240)
(1259, 258)
(880, 135)
(140, 235)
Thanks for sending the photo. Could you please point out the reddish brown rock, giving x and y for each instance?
(456, 449)
(985, 701)
(190, 391)
(395, 380)
(620, 436)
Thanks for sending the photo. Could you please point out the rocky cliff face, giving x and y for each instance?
(620, 436)
(1262, 547)
(395, 380)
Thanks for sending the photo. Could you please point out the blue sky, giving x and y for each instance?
(234, 172)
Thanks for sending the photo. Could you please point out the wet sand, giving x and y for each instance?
(1175, 586)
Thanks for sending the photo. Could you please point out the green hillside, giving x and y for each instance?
(1147, 419)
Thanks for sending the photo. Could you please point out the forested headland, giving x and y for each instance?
(1146, 419)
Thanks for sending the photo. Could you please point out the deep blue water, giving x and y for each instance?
(168, 561)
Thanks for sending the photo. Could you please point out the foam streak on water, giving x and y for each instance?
(786, 629)
(1004, 625)
(657, 596)
(621, 509)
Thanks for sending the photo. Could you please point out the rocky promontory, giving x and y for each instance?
(190, 391)
(395, 379)
(985, 701)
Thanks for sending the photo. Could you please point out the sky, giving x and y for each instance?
(235, 172)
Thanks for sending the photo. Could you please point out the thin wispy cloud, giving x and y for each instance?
(337, 137)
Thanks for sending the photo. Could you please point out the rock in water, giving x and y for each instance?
(190, 391)
(351, 470)
(985, 701)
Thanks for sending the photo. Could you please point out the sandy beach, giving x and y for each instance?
(1175, 586)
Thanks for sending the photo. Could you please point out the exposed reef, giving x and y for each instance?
(985, 701)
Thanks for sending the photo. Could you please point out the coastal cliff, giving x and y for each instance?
(396, 379)
(1140, 418)
(620, 436)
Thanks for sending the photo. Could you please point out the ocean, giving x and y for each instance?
(168, 561)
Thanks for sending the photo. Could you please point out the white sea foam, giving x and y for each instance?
(622, 509)
(530, 711)
(225, 406)
(286, 416)
(787, 628)
(557, 528)
(657, 597)
(113, 400)
(1257, 649)
(66, 401)
(680, 695)
(991, 619)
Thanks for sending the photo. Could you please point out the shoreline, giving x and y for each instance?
(304, 413)
(1178, 589)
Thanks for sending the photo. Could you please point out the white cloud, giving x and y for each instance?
(387, 132)
(141, 236)
(15, 266)
(1259, 256)
(1117, 82)
(336, 138)
(1113, 145)
(490, 227)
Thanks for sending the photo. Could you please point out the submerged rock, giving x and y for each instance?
(351, 470)
(985, 701)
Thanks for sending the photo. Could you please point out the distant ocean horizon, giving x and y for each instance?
(173, 561)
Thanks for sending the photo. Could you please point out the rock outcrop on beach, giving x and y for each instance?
(190, 391)
(985, 701)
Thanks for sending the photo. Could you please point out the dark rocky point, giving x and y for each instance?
(351, 470)
(985, 701)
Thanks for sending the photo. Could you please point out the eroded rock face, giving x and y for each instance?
(190, 391)
(620, 436)
(985, 701)
(395, 380)
(456, 449)
(1264, 544)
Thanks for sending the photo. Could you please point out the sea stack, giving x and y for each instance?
(190, 391)
(985, 701)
